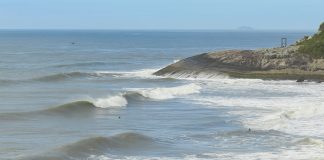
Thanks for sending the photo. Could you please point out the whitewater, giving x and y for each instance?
(98, 99)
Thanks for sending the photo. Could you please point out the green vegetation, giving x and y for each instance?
(321, 27)
(315, 45)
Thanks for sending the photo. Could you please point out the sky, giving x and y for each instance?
(161, 14)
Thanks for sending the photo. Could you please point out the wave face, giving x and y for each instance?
(77, 109)
(64, 76)
(4, 82)
(52, 78)
(80, 64)
(124, 143)
(97, 145)
(73, 108)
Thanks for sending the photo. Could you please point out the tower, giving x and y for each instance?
(283, 42)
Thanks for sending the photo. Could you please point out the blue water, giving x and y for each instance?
(92, 95)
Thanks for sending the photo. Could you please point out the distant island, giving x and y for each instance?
(245, 28)
(301, 61)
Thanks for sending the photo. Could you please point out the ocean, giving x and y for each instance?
(91, 95)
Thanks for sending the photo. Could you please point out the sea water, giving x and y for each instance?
(92, 95)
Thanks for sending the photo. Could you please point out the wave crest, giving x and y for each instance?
(64, 76)
(100, 145)
(143, 73)
(72, 108)
(121, 100)
(80, 64)
(121, 143)
(168, 93)
(113, 101)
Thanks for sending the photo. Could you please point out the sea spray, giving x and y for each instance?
(113, 101)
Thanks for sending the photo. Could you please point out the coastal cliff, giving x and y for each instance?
(272, 63)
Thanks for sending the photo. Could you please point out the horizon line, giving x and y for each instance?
(156, 29)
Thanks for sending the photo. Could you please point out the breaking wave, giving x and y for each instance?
(168, 93)
(121, 100)
(72, 108)
(113, 101)
(90, 105)
(143, 73)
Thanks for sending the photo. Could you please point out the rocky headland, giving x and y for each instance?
(291, 62)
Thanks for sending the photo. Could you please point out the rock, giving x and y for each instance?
(301, 79)
(297, 61)
(271, 63)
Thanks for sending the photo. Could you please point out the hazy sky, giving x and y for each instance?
(161, 14)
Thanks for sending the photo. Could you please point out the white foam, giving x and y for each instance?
(286, 106)
(300, 153)
(305, 148)
(142, 73)
(295, 115)
(310, 142)
(176, 60)
(112, 101)
(296, 153)
(168, 93)
(114, 157)
(119, 100)
(209, 76)
(148, 73)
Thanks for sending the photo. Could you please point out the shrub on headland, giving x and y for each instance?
(314, 46)
(321, 27)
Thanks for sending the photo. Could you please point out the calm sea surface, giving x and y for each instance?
(91, 95)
